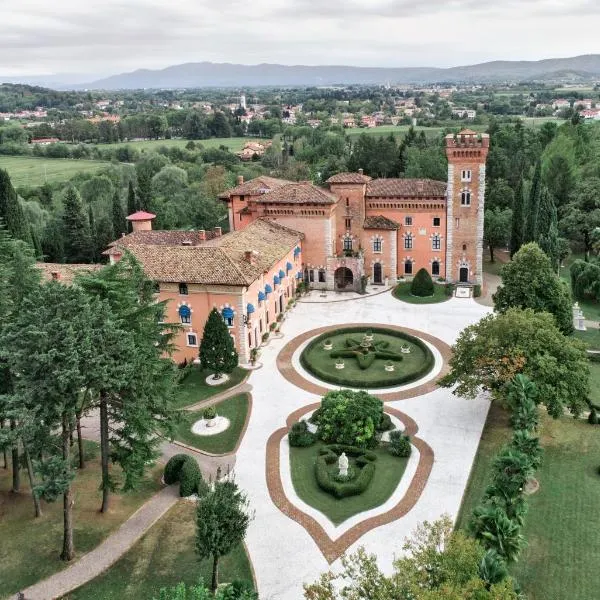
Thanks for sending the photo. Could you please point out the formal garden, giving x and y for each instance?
(367, 357)
(422, 289)
(348, 457)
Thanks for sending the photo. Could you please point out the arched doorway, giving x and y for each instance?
(343, 278)
(463, 274)
(377, 273)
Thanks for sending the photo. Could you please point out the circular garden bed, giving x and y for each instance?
(367, 358)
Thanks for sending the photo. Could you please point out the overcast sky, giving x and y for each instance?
(101, 37)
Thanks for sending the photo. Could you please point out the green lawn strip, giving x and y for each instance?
(32, 171)
(402, 292)
(320, 363)
(595, 386)
(234, 144)
(562, 524)
(591, 336)
(234, 408)
(388, 472)
(30, 548)
(162, 558)
(194, 388)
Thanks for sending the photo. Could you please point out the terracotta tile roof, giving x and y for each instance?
(174, 237)
(406, 188)
(349, 178)
(379, 222)
(218, 261)
(258, 185)
(64, 273)
(141, 215)
(298, 193)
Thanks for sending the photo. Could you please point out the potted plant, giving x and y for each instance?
(327, 345)
(265, 336)
(280, 317)
(389, 366)
(210, 416)
(339, 363)
(253, 356)
(273, 326)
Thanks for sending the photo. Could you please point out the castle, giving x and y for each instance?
(283, 232)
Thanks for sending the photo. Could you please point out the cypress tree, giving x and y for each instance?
(217, 351)
(550, 241)
(547, 208)
(118, 217)
(518, 215)
(531, 230)
(132, 200)
(11, 211)
(78, 242)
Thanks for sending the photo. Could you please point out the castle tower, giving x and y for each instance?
(466, 152)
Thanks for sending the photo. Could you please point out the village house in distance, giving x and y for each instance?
(283, 232)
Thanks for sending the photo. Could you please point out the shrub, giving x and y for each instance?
(265, 336)
(280, 317)
(299, 436)
(449, 289)
(593, 417)
(476, 290)
(386, 423)
(422, 284)
(272, 326)
(185, 469)
(399, 444)
(253, 355)
(210, 412)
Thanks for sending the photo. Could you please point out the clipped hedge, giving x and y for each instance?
(389, 381)
(386, 423)
(299, 435)
(399, 444)
(422, 284)
(185, 469)
(329, 455)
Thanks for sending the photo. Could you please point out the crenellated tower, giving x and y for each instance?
(467, 153)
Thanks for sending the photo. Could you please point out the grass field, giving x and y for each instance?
(388, 472)
(162, 558)
(561, 527)
(30, 548)
(194, 388)
(234, 408)
(234, 144)
(402, 292)
(31, 171)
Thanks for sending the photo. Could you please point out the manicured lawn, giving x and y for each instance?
(561, 527)
(595, 384)
(194, 388)
(322, 363)
(30, 548)
(402, 292)
(234, 408)
(388, 472)
(162, 558)
(591, 336)
(31, 171)
(234, 144)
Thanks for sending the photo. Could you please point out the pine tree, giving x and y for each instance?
(217, 351)
(118, 217)
(132, 200)
(531, 230)
(78, 243)
(518, 218)
(11, 212)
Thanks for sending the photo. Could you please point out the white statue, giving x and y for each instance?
(343, 464)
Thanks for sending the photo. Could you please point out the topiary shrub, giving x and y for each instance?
(209, 413)
(476, 290)
(185, 469)
(422, 284)
(399, 444)
(299, 436)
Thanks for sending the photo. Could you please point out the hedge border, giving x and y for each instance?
(379, 384)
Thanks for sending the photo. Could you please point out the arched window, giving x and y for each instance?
(183, 289)
(435, 268)
(436, 242)
(408, 267)
(228, 316)
(408, 241)
(185, 314)
(377, 245)
(465, 198)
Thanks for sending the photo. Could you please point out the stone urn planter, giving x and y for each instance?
(327, 345)
(339, 364)
(405, 350)
(389, 367)
(368, 337)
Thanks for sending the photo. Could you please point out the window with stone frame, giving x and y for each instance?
(322, 276)
(311, 275)
(437, 221)
(436, 242)
(408, 241)
(408, 221)
(183, 289)
(377, 245)
(465, 175)
(435, 268)
(185, 315)
(192, 339)
(465, 198)
(347, 243)
(408, 267)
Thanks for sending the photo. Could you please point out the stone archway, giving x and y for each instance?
(343, 278)
(463, 275)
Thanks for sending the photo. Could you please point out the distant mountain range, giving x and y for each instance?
(584, 68)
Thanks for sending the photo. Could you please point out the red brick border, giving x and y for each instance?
(333, 549)
(286, 368)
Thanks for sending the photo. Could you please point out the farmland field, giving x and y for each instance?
(35, 171)
(234, 144)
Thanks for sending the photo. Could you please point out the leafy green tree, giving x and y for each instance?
(499, 195)
(518, 219)
(222, 519)
(529, 281)
(496, 228)
(119, 224)
(490, 353)
(78, 243)
(217, 350)
(348, 417)
(11, 212)
(585, 279)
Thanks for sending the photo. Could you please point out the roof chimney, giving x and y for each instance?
(360, 171)
(202, 235)
(240, 179)
(250, 256)
(218, 231)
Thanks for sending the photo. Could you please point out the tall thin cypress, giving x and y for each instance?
(546, 210)
(518, 217)
(11, 211)
(531, 231)
(118, 216)
(132, 200)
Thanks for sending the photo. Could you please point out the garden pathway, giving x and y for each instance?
(93, 563)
